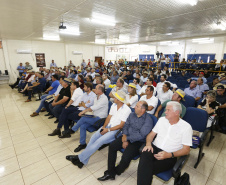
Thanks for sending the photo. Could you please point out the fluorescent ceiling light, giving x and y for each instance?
(103, 19)
(203, 40)
(168, 33)
(56, 38)
(170, 43)
(99, 41)
(69, 32)
(200, 39)
(191, 2)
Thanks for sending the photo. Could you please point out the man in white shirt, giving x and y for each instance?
(70, 108)
(93, 73)
(149, 82)
(167, 59)
(162, 60)
(165, 93)
(151, 100)
(53, 64)
(174, 138)
(99, 109)
(162, 81)
(116, 119)
(106, 81)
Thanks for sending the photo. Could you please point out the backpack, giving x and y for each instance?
(183, 180)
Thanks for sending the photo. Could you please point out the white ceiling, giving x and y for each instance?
(137, 21)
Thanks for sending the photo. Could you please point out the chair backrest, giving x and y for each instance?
(108, 92)
(154, 119)
(189, 101)
(159, 103)
(109, 106)
(197, 118)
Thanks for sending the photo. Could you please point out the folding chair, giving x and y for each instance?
(198, 118)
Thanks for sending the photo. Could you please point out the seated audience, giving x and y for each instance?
(151, 100)
(99, 110)
(136, 81)
(36, 86)
(178, 96)
(162, 82)
(51, 90)
(131, 97)
(221, 98)
(173, 139)
(60, 101)
(106, 81)
(119, 86)
(116, 119)
(149, 82)
(213, 83)
(203, 88)
(134, 133)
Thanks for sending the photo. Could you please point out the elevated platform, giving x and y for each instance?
(4, 79)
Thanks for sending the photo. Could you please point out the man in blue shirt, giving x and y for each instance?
(193, 91)
(51, 90)
(53, 64)
(134, 132)
(20, 68)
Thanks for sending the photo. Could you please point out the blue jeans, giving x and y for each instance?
(84, 123)
(43, 98)
(71, 113)
(56, 110)
(96, 141)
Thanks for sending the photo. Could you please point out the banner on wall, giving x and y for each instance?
(40, 59)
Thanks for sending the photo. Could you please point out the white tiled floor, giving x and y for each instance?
(29, 156)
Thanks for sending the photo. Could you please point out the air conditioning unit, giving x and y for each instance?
(24, 51)
(76, 53)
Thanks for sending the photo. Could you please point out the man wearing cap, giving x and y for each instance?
(165, 93)
(28, 66)
(151, 100)
(53, 64)
(221, 98)
(36, 86)
(144, 77)
(149, 82)
(61, 100)
(116, 119)
(134, 133)
(193, 91)
(178, 96)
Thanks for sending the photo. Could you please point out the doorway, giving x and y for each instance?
(99, 60)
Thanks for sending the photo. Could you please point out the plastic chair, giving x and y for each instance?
(108, 92)
(159, 103)
(198, 118)
(189, 101)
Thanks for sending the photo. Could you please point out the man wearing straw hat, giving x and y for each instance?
(116, 119)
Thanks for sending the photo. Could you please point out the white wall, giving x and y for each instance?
(61, 53)
(2, 61)
(189, 48)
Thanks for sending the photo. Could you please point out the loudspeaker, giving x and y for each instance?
(6, 72)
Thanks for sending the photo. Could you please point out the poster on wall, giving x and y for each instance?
(40, 59)
(0, 44)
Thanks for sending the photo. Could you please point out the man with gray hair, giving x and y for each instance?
(134, 132)
(173, 139)
(193, 91)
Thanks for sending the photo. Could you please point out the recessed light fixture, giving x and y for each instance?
(103, 19)
(51, 37)
(169, 34)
